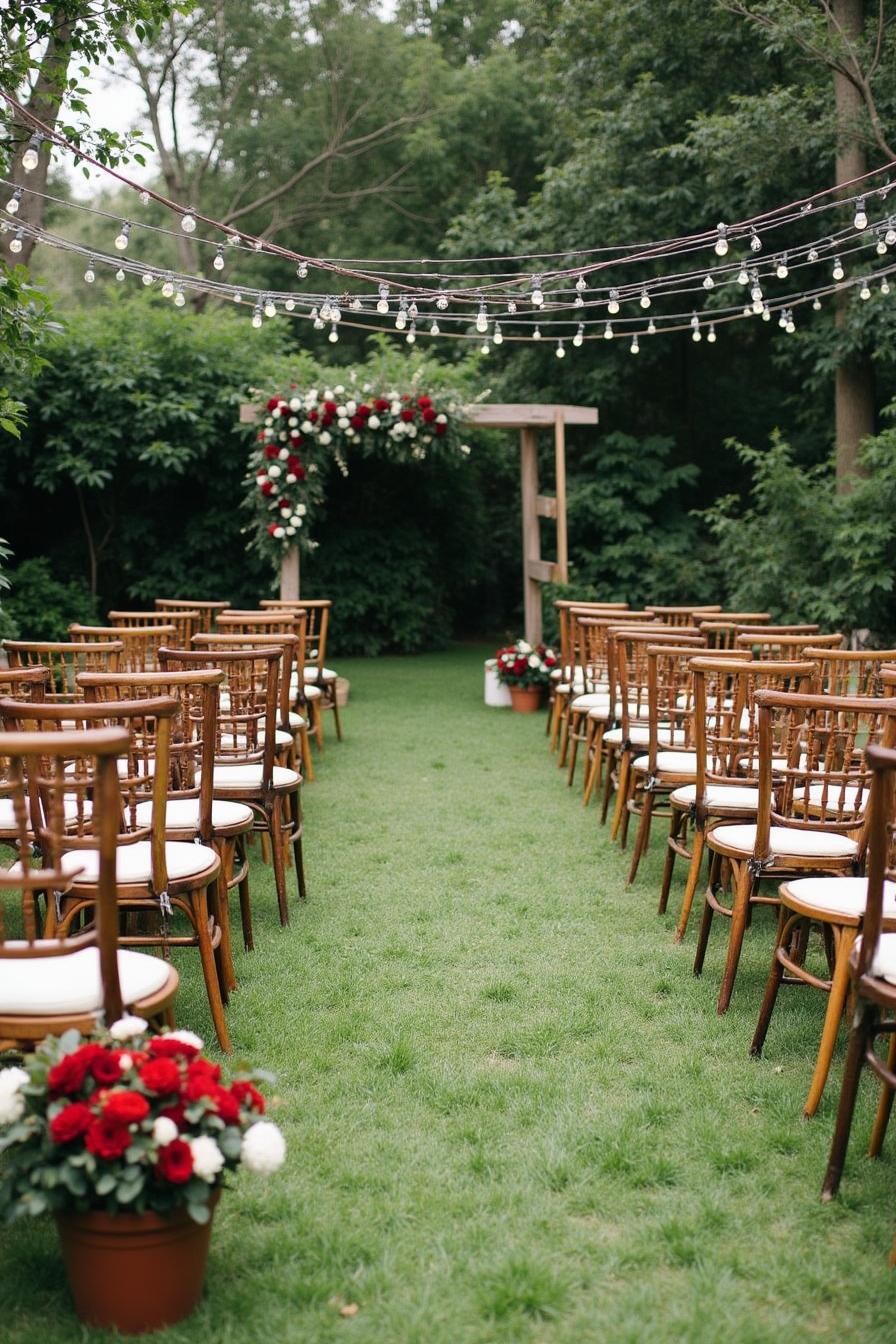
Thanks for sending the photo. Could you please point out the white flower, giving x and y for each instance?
(284, 454)
(283, 437)
(395, 408)
(275, 412)
(268, 420)
(164, 1130)
(306, 426)
(294, 404)
(290, 531)
(264, 1148)
(340, 410)
(279, 532)
(411, 431)
(12, 1107)
(274, 471)
(127, 1027)
(523, 646)
(339, 389)
(465, 448)
(290, 478)
(301, 510)
(441, 419)
(534, 660)
(351, 407)
(11, 1080)
(373, 422)
(207, 1157)
(188, 1038)
(342, 422)
(292, 422)
(125, 1062)
(427, 438)
(326, 437)
(328, 395)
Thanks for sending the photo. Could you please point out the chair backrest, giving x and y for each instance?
(588, 634)
(318, 623)
(288, 645)
(682, 615)
(208, 611)
(186, 621)
(65, 660)
(722, 629)
(247, 704)
(670, 696)
(142, 769)
(629, 664)
(780, 647)
(141, 642)
(852, 671)
(813, 771)
(726, 723)
(881, 848)
(39, 770)
(563, 606)
(31, 681)
(194, 727)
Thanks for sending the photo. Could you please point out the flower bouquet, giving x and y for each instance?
(527, 671)
(126, 1138)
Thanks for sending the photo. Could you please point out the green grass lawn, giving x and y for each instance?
(513, 1114)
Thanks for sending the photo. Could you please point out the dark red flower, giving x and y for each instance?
(271, 452)
(69, 1074)
(127, 1108)
(381, 404)
(520, 666)
(407, 415)
(107, 1137)
(326, 419)
(357, 422)
(440, 429)
(248, 1095)
(363, 410)
(299, 473)
(292, 462)
(175, 1162)
(160, 1076)
(267, 488)
(330, 406)
(424, 402)
(71, 1123)
(296, 437)
(202, 1079)
(429, 414)
(405, 396)
(226, 1105)
(273, 403)
(106, 1067)
(172, 1046)
(313, 416)
(272, 528)
(175, 1113)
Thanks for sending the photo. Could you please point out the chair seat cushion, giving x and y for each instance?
(744, 796)
(240, 777)
(577, 683)
(70, 808)
(835, 797)
(282, 739)
(593, 700)
(134, 862)
(45, 986)
(182, 814)
(670, 762)
(312, 692)
(639, 735)
(884, 964)
(296, 721)
(789, 841)
(838, 895)
(315, 673)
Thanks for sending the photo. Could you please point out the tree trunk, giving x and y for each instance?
(43, 103)
(854, 379)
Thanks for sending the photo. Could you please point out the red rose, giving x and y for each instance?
(160, 1076)
(267, 488)
(175, 1162)
(407, 415)
(405, 396)
(357, 422)
(326, 419)
(284, 505)
(273, 403)
(226, 1105)
(259, 437)
(197, 1067)
(424, 402)
(127, 1108)
(363, 410)
(69, 1074)
(172, 1046)
(202, 1079)
(381, 404)
(107, 1137)
(105, 1067)
(292, 462)
(271, 452)
(71, 1123)
(248, 1095)
(313, 417)
(440, 429)
(429, 414)
(299, 473)
(175, 1113)
(272, 528)
(330, 406)
(520, 666)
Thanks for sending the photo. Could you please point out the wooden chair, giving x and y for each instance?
(722, 628)
(303, 700)
(784, 645)
(31, 682)
(316, 672)
(589, 687)
(812, 785)
(190, 811)
(682, 615)
(851, 671)
(65, 661)
(155, 877)
(186, 622)
(51, 983)
(727, 747)
(208, 611)
(141, 643)
(245, 769)
(872, 971)
(564, 672)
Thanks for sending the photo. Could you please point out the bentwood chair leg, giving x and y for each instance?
(642, 836)
(222, 914)
(625, 767)
(592, 777)
(597, 747)
(317, 723)
(610, 765)
(697, 846)
(307, 763)
(703, 935)
(589, 744)
(844, 939)
(246, 910)
(275, 823)
(861, 1034)
(773, 984)
(575, 725)
(336, 718)
(885, 1105)
(210, 970)
(631, 796)
(742, 894)
(556, 714)
(295, 812)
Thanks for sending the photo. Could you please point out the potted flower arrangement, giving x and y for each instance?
(126, 1137)
(527, 672)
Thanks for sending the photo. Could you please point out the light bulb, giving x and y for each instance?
(711, 334)
(148, 278)
(168, 287)
(144, 197)
(747, 310)
(256, 317)
(560, 352)
(890, 236)
(90, 273)
(270, 308)
(865, 291)
(838, 271)
(289, 305)
(12, 205)
(179, 298)
(326, 311)
(860, 219)
(756, 291)
(743, 277)
(581, 283)
(121, 241)
(781, 270)
(782, 320)
(696, 336)
(816, 304)
(237, 298)
(645, 299)
(536, 335)
(29, 158)
(188, 223)
(881, 248)
(885, 286)
(613, 301)
(812, 254)
(485, 348)
(608, 332)
(755, 241)
(318, 324)
(579, 336)
(634, 348)
(766, 313)
(579, 302)
(511, 306)
(708, 282)
(16, 243)
(218, 262)
(695, 322)
(651, 328)
(413, 310)
(498, 335)
(119, 274)
(442, 302)
(721, 247)
(401, 319)
(434, 329)
(302, 270)
(314, 315)
(757, 306)
(790, 325)
(537, 294)
(356, 304)
(382, 306)
(334, 335)
(482, 319)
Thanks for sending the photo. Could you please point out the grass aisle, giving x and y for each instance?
(513, 1113)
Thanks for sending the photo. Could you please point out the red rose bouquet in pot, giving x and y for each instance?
(521, 664)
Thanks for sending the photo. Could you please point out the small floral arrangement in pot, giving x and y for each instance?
(521, 664)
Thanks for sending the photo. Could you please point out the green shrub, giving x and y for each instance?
(41, 606)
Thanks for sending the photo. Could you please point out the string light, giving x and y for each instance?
(237, 298)
(536, 335)
(721, 244)
(485, 348)
(781, 270)
(148, 278)
(413, 310)
(579, 302)
(442, 303)
(434, 329)
(511, 306)
(188, 223)
(608, 332)
(30, 157)
(708, 282)
(645, 298)
(289, 305)
(537, 295)
(168, 287)
(651, 328)
(16, 243)
(411, 336)
(838, 271)
(383, 301)
(218, 262)
(696, 334)
(711, 334)
(890, 235)
(613, 301)
(482, 318)
(812, 254)
(334, 335)
(560, 352)
(790, 325)
(180, 297)
(743, 276)
(634, 348)
(860, 219)
(119, 274)
(885, 286)
(497, 334)
(766, 313)
(755, 241)
(816, 304)
(90, 273)
(865, 291)
(579, 336)
(256, 316)
(881, 248)
(12, 205)
(270, 307)
(144, 198)
(124, 234)
(356, 304)
(301, 269)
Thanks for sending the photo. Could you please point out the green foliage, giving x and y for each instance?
(42, 606)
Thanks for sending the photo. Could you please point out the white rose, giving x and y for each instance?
(284, 454)
(465, 448)
(275, 412)
(340, 410)
(207, 1157)
(328, 395)
(294, 404)
(279, 532)
(12, 1107)
(11, 1080)
(164, 1130)
(395, 408)
(312, 396)
(292, 422)
(264, 1148)
(283, 436)
(534, 660)
(342, 422)
(523, 646)
(339, 389)
(127, 1027)
(326, 437)
(441, 419)
(307, 426)
(301, 510)
(290, 478)
(373, 422)
(188, 1038)
(274, 471)
(411, 431)
(351, 407)
(125, 1062)
(290, 531)
(268, 420)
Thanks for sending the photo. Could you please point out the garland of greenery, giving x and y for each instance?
(305, 434)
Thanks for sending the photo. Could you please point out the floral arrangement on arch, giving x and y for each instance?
(304, 433)
(522, 665)
(128, 1122)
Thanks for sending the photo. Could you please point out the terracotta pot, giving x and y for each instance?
(134, 1272)
(526, 699)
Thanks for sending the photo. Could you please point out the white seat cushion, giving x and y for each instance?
(44, 986)
(673, 762)
(838, 796)
(182, 814)
(787, 841)
(314, 673)
(840, 895)
(134, 862)
(884, 963)
(744, 796)
(249, 776)
(296, 721)
(69, 807)
(312, 692)
(578, 682)
(593, 700)
(639, 735)
(282, 738)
